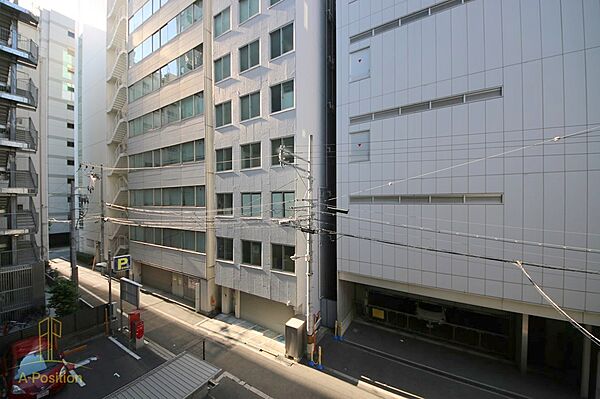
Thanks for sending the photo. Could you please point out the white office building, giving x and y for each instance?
(268, 81)
(442, 108)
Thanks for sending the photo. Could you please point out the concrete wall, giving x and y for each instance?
(544, 55)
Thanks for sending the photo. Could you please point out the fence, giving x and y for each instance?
(90, 320)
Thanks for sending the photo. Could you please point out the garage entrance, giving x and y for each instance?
(156, 278)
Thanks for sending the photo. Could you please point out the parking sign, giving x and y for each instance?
(121, 263)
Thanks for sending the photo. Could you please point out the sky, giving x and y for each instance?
(86, 12)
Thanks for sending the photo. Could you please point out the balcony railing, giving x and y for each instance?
(24, 132)
(26, 253)
(20, 222)
(20, 182)
(22, 43)
(24, 88)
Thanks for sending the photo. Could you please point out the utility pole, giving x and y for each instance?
(208, 305)
(73, 220)
(103, 243)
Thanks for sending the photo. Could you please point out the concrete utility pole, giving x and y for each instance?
(72, 229)
(102, 213)
(209, 303)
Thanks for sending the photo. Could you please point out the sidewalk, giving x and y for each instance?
(222, 325)
(396, 361)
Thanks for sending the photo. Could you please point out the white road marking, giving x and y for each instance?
(77, 377)
(242, 383)
(126, 349)
(85, 362)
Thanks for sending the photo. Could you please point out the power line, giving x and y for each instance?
(574, 323)
(451, 252)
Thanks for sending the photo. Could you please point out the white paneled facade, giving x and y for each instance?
(544, 56)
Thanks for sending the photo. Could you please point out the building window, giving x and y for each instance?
(70, 87)
(249, 55)
(282, 96)
(251, 253)
(281, 258)
(223, 68)
(251, 205)
(70, 107)
(282, 40)
(248, 8)
(224, 159)
(250, 106)
(250, 156)
(225, 248)
(71, 34)
(70, 162)
(222, 22)
(70, 180)
(201, 242)
(360, 64)
(282, 205)
(70, 144)
(359, 146)
(223, 114)
(171, 155)
(70, 125)
(171, 196)
(288, 145)
(225, 204)
(199, 152)
(273, 2)
(200, 196)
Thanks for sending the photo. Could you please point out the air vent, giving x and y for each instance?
(409, 109)
(484, 94)
(361, 119)
(414, 16)
(389, 113)
(444, 6)
(361, 36)
(447, 102)
(385, 27)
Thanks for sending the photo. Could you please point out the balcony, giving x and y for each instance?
(23, 136)
(26, 253)
(21, 222)
(24, 92)
(25, 50)
(119, 97)
(19, 182)
(119, 130)
(120, 190)
(22, 14)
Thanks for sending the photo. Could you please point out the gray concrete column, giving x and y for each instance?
(226, 300)
(524, 343)
(585, 365)
(237, 303)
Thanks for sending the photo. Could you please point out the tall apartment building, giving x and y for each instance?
(428, 93)
(21, 270)
(268, 82)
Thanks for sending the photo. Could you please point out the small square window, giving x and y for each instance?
(252, 253)
(288, 146)
(70, 107)
(224, 159)
(223, 114)
(248, 9)
(70, 143)
(71, 34)
(250, 106)
(282, 40)
(282, 205)
(70, 162)
(282, 96)
(222, 22)
(70, 125)
(249, 55)
(281, 258)
(225, 204)
(250, 156)
(251, 205)
(222, 68)
(225, 248)
(359, 146)
(360, 64)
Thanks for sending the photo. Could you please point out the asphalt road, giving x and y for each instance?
(262, 372)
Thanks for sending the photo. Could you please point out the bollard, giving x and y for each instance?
(311, 357)
(320, 364)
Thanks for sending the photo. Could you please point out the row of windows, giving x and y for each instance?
(173, 70)
(281, 255)
(192, 151)
(251, 154)
(173, 238)
(177, 25)
(145, 12)
(248, 9)
(282, 42)
(171, 196)
(282, 98)
(179, 110)
(282, 204)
